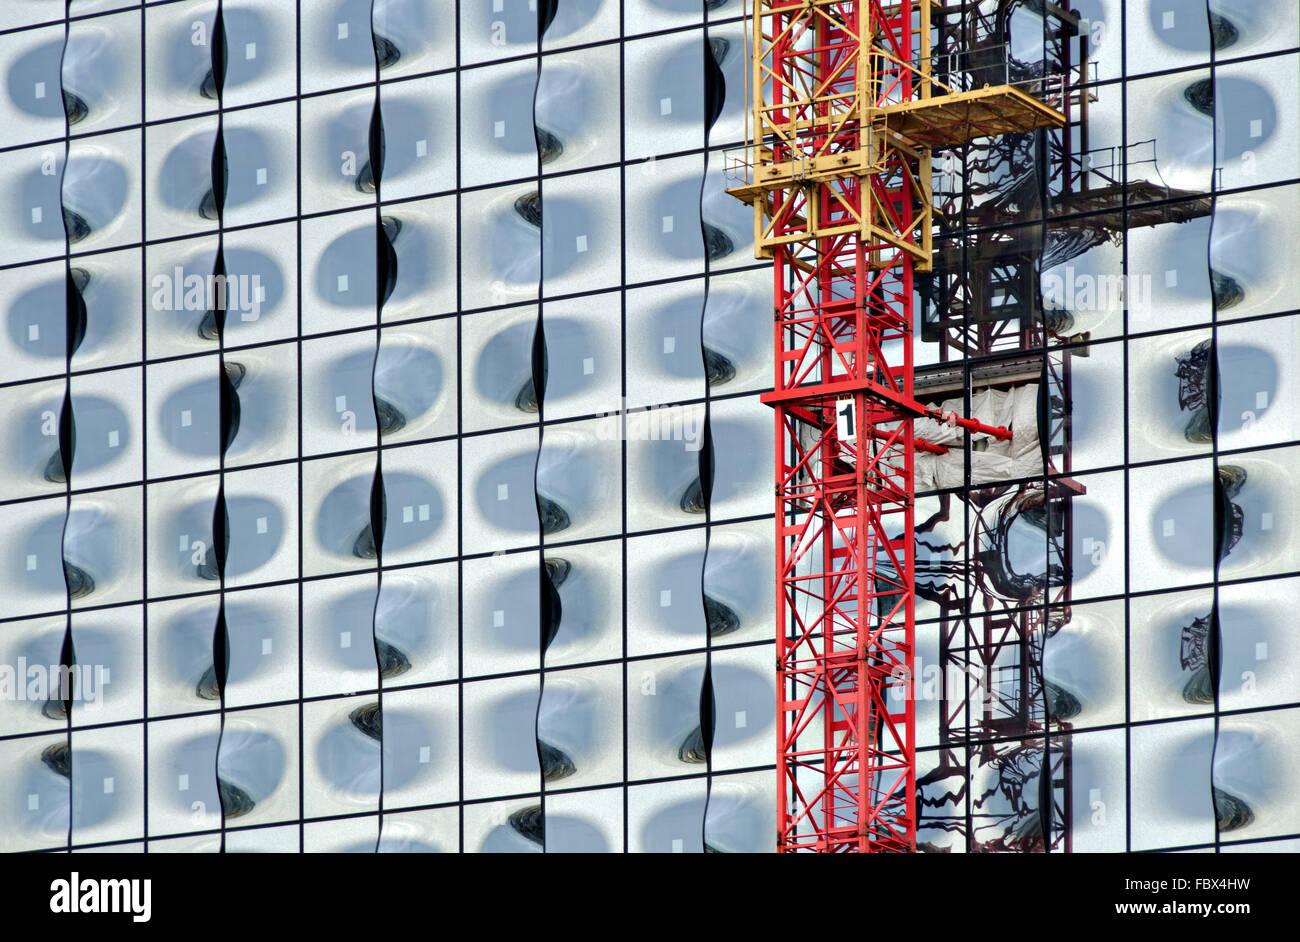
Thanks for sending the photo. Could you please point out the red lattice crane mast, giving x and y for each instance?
(845, 112)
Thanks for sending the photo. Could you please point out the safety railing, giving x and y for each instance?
(992, 65)
(738, 166)
(1118, 163)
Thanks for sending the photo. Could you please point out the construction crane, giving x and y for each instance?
(847, 104)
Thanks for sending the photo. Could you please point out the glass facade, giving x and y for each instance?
(385, 468)
(1100, 657)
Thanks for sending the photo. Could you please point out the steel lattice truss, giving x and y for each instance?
(845, 114)
(843, 249)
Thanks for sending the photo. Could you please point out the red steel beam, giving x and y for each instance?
(842, 206)
(844, 567)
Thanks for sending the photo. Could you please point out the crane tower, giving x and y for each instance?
(847, 104)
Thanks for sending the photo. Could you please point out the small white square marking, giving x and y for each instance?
(1257, 127)
(266, 646)
(345, 639)
(581, 242)
(250, 51)
(33, 332)
(679, 845)
(40, 90)
(1261, 399)
(665, 106)
(670, 344)
(182, 782)
(184, 542)
(340, 403)
(423, 512)
(261, 176)
(187, 418)
(408, 514)
(1167, 527)
(588, 366)
(1261, 650)
(742, 720)
(114, 439)
(1266, 520)
(668, 224)
(343, 283)
(108, 786)
(503, 492)
(1167, 20)
(1086, 546)
(665, 598)
(424, 755)
(261, 525)
(37, 214)
(499, 618)
(31, 562)
(343, 31)
(33, 802)
(1171, 278)
(499, 129)
(421, 147)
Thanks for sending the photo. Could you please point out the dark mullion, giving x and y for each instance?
(706, 687)
(460, 469)
(220, 538)
(1215, 642)
(67, 458)
(540, 387)
(1128, 563)
(622, 313)
(144, 456)
(376, 167)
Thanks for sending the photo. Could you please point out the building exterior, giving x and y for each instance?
(385, 375)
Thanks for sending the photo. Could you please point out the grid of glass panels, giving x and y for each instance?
(449, 525)
(1103, 662)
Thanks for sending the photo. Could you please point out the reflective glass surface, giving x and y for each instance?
(384, 466)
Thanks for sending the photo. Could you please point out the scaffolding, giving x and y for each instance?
(848, 102)
(1009, 209)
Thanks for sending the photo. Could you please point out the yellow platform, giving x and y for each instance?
(960, 117)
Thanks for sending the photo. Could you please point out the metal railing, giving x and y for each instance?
(969, 69)
(1118, 163)
(972, 69)
(738, 166)
(799, 150)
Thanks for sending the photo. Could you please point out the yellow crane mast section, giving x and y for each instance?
(814, 112)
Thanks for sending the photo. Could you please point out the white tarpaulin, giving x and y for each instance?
(991, 460)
